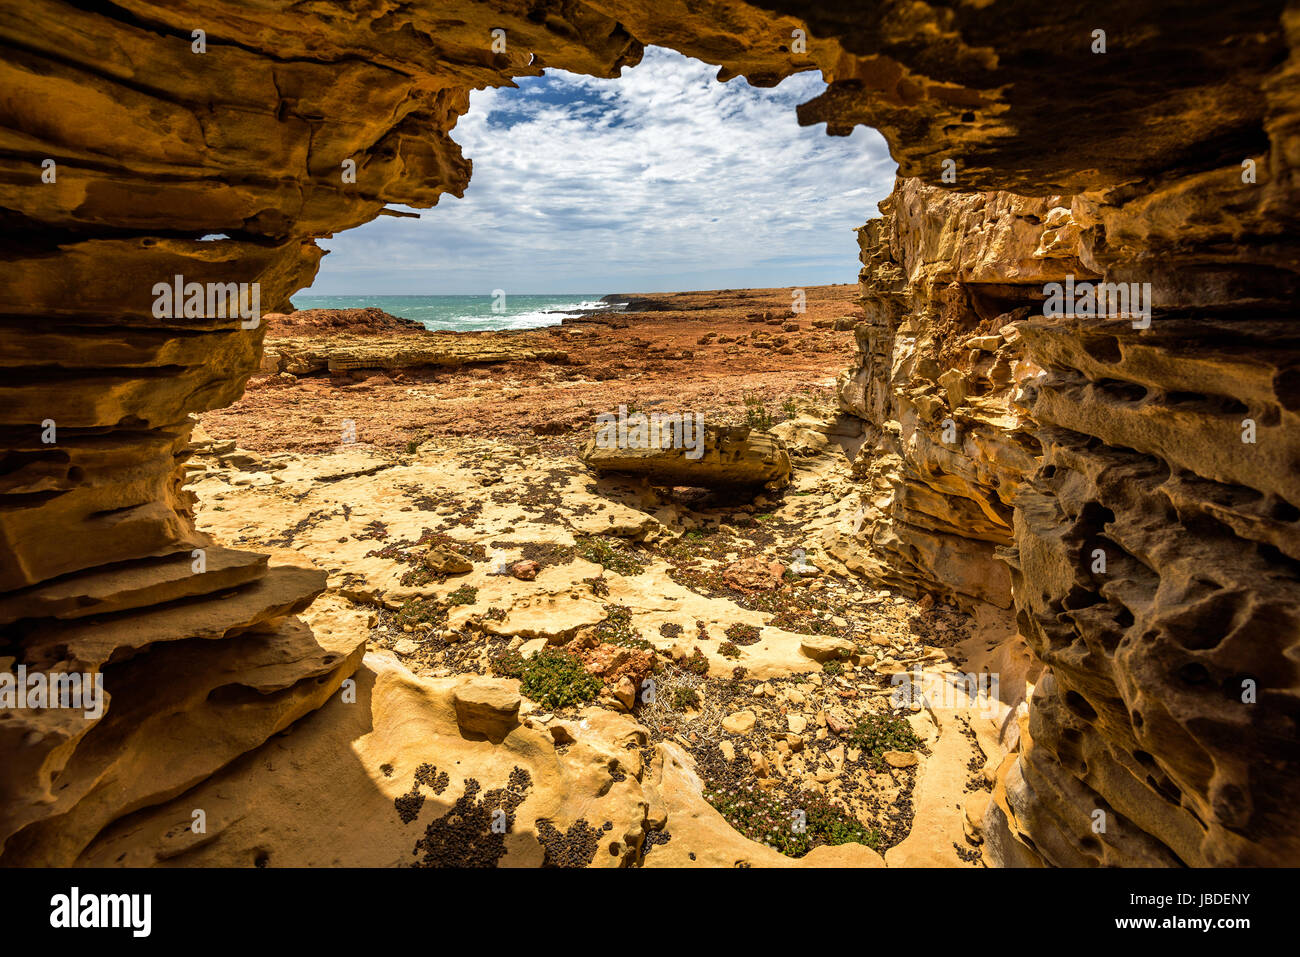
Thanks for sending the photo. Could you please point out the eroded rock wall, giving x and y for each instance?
(948, 279)
(223, 166)
(1128, 487)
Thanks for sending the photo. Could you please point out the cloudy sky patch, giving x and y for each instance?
(662, 180)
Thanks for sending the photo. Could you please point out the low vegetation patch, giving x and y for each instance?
(507, 664)
(792, 826)
(556, 678)
(416, 611)
(697, 663)
(464, 595)
(401, 550)
(684, 698)
(756, 414)
(612, 555)
(617, 629)
(833, 825)
(742, 634)
(877, 733)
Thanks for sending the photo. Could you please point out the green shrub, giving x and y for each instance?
(772, 820)
(728, 649)
(464, 595)
(697, 663)
(617, 629)
(829, 824)
(683, 698)
(760, 816)
(556, 678)
(756, 414)
(613, 557)
(507, 664)
(742, 634)
(418, 610)
(877, 733)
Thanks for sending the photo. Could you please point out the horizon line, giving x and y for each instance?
(489, 295)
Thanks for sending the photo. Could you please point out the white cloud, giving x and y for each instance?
(662, 179)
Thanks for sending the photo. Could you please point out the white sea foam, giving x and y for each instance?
(470, 314)
(551, 315)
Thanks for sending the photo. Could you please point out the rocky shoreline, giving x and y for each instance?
(399, 384)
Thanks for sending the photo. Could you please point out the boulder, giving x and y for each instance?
(728, 457)
(754, 574)
(525, 571)
(741, 722)
(446, 561)
(826, 647)
(487, 706)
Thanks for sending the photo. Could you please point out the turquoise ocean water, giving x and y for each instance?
(463, 313)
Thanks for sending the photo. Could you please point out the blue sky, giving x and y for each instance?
(661, 180)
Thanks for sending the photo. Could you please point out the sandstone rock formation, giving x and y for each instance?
(937, 371)
(735, 457)
(125, 145)
(341, 353)
(1112, 486)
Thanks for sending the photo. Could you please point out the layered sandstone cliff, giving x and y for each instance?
(217, 140)
(1128, 490)
(948, 280)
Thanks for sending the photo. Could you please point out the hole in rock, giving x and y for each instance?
(1166, 788)
(1102, 348)
(635, 190)
(1193, 674)
(1094, 517)
(1275, 556)
(1080, 598)
(1234, 688)
(1080, 707)
(12, 462)
(597, 199)
(1207, 526)
(1127, 391)
(1286, 386)
(1209, 404)
(1284, 511)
